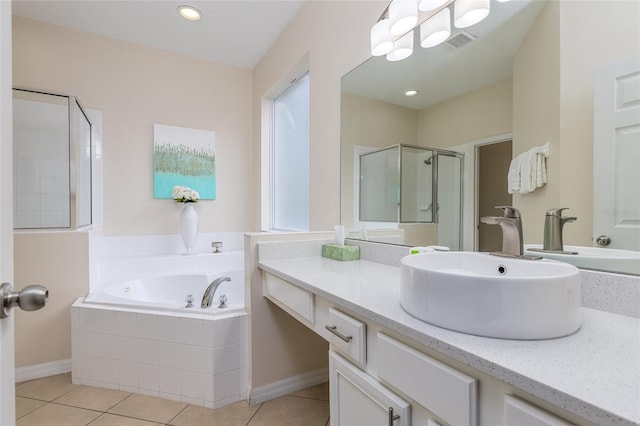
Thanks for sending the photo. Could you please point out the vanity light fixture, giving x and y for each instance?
(411, 92)
(392, 34)
(402, 48)
(381, 38)
(437, 29)
(469, 12)
(189, 12)
(403, 16)
(427, 5)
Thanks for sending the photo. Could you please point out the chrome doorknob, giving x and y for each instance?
(30, 298)
(603, 240)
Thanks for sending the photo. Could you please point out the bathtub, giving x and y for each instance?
(170, 293)
(136, 334)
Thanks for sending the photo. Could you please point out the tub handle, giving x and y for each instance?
(189, 299)
(223, 301)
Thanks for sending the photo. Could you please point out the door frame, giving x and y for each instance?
(7, 356)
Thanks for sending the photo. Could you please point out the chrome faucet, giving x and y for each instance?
(511, 225)
(553, 224)
(211, 291)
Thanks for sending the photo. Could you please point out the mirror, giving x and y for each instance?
(522, 77)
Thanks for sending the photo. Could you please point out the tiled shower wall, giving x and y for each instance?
(41, 164)
(200, 360)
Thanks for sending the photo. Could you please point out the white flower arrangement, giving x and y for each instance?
(184, 194)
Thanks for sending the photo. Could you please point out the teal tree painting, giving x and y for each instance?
(184, 157)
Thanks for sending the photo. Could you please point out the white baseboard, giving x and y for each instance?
(46, 369)
(286, 386)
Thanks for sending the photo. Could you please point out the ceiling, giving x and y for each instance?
(231, 32)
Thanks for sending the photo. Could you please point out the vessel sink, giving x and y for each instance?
(491, 296)
(599, 258)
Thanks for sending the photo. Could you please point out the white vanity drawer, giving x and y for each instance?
(296, 301)
(446, 392)
(348, 335)
(518, 412)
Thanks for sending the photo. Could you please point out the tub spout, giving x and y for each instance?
(211, 291)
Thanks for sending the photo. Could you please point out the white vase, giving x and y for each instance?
(189, 227)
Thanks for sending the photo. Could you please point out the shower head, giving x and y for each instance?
(428, 161)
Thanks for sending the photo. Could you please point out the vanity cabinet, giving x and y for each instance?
(377, 377)
(358, 399)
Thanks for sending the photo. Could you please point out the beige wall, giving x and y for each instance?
(335, 36)
(475, 115)
(280, 346)
(60, 262)
(135, 87)
(536, 114)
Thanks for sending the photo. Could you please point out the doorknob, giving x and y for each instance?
(603, 240)
(30, 298)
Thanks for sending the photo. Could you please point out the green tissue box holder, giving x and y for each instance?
(335, 252)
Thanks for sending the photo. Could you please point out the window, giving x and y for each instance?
(289, 180)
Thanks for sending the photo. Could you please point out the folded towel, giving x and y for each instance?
(513, 176)
(528, 170)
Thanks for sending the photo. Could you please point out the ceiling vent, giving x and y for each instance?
(460, 39)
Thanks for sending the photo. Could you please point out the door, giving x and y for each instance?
(616, 152)
(7, 374)
(358, 399)
(493, 162)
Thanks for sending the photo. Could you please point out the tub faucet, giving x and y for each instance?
(553, 224)
(511, 225)
(211, 290)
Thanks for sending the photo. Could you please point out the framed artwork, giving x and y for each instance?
(184, 157)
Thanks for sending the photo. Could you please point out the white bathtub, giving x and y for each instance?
(135, 334)
(170, 292)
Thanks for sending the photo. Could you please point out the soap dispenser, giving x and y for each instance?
(553, 223)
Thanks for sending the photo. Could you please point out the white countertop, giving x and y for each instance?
(594, 373)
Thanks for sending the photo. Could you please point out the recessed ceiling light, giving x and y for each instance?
(189, 12)
(411, 93)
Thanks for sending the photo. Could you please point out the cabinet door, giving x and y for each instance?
(357, 399)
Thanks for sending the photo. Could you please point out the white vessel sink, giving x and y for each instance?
(486, 295)
(600, 258)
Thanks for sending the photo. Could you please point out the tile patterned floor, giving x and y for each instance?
(55, 401)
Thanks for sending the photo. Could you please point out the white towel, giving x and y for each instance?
(528, 170)
(513, 176)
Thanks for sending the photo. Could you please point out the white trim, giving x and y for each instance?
(46, 369)
(286, 386)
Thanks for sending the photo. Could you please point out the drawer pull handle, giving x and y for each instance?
(392, 417)
(334, 330)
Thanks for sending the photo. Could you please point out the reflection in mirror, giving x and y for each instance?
(525, 78)
(406, 184)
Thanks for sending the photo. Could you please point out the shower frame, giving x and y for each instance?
(434, 181)
(75, 175)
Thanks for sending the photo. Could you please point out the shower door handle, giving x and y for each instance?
(30, 298)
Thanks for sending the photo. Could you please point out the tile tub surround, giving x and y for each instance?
(593, 373)
(197, 359)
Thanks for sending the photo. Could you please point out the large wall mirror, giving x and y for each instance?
(526, 76)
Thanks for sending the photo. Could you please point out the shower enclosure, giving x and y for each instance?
(52, 153)
(412, 184)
